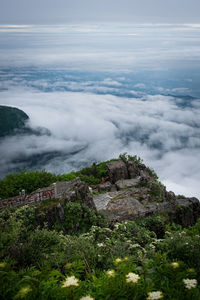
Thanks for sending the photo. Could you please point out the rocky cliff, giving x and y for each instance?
(134, 192)
(131, 191)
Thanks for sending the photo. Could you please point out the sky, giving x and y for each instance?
(65, 11)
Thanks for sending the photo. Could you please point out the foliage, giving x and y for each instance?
(12, 184)
(125, 158)
(88, 255)
(79, 218)
(125, 260)
(91, 175)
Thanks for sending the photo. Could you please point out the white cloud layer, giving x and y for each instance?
(88, 127)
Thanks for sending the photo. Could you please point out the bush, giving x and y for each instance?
(12, 184)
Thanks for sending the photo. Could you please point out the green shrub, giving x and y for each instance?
(12, 184)
(79, 218)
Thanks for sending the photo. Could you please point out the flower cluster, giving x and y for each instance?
(110, 273)
(70, 281)
(88, 297)
(132, 277)
(155, 295)
(175, 265)
(190, 283)
(118, 260)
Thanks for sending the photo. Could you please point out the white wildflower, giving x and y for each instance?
(168, 233)
(135, 246)
(155, 295)
(88, 297)
(118, 260)
(132, 277)
(175, 265)
(70, 281)
(152, 246)
(100, 244)
(108, 229)
(110, 273)
(158, 241)
(190, 283)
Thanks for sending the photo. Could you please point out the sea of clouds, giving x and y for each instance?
(123, 103)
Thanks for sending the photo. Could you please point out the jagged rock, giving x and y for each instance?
(107, 186)
(186, 211)
(77, 190)
(127, 183)
(170, 195)
(125, 209)
(144, 175)
(71, 191)
(133, 170)
(137, 202)
(117, 170)
(102, 200)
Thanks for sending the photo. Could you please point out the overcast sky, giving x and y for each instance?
(64, 11)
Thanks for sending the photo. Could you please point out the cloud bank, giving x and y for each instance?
(88, 127)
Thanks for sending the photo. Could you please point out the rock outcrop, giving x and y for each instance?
(131, 191)
(117, 170)
(71, 191)
(134, 192)
(75, 191)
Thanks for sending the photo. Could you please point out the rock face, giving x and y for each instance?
(139, 194)
(132, 192)
(127, 183)
(107, 186)
(72, 191)
(132, 169)
(75, 191)
(117, 170)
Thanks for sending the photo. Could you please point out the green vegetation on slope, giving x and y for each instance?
(12, 184)
(128, 260)
(88, 257)
(30, 181)
(12, 119)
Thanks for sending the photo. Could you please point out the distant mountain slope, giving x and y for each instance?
(12, 120)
